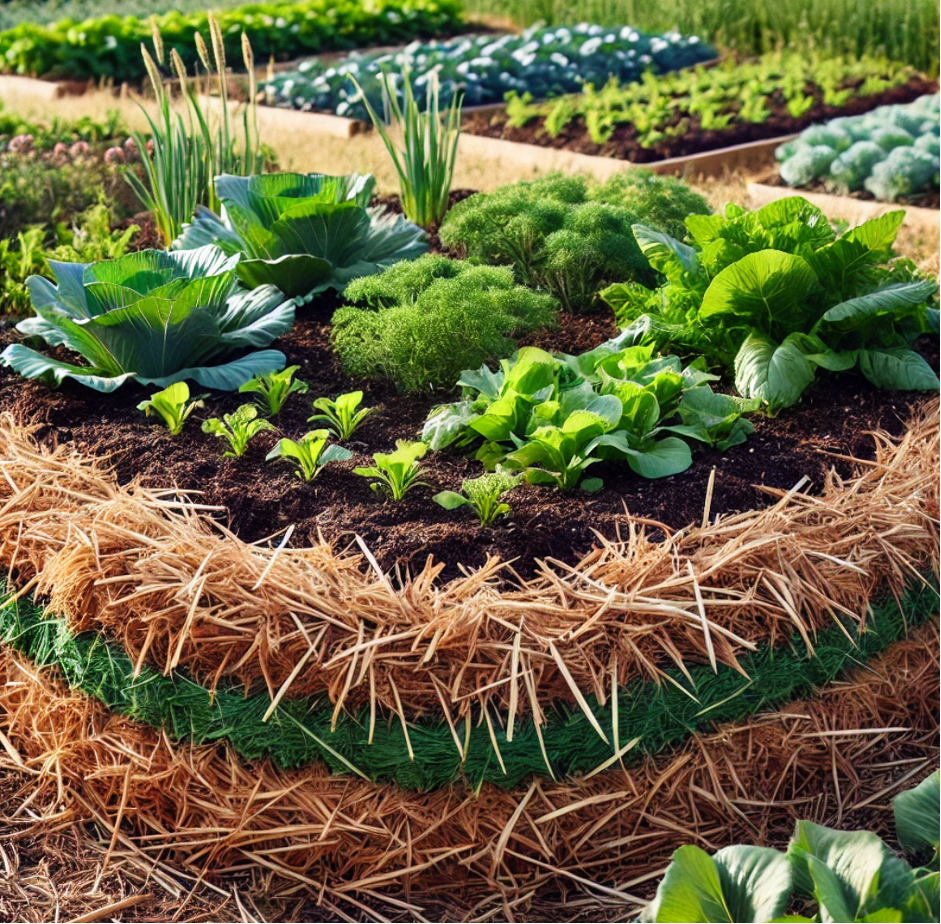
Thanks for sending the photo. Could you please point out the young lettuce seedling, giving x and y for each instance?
(341, 415)
(173, 405)
(483, 494)
(397, 472)
(237, 428)
(311, 452)
(274, 388)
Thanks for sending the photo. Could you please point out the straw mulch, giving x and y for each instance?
(156, 572)
(594, 845)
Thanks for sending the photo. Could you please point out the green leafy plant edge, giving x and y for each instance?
(849, 875)
(172, 405)
(298, 732)
(310, 452)
(775, 294)
(238, 429)
(274, 389)
(303, 233)
(152, 317)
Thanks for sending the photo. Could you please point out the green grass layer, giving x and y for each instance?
(298, 731)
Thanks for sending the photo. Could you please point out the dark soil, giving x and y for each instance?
(263, 498)
(623, 143)
(926, 200)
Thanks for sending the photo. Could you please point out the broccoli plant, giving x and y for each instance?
(274, 388)
(173, 405)
(237, 428)
(342, 416)
(396, 473)
(310, 452)
(484, 495)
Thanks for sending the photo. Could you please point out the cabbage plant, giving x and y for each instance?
(152, 317)
(303, 233)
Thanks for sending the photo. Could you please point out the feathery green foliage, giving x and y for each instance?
(300, 732)
(568, 234)
(173, 405)
(237, 428)
(423, 322)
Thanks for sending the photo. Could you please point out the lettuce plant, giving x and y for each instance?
(310, 452)
(551, 417)
(237, 428)
(775, 294)
(484, 495)
(303, 233)
(395, 473)
(152, 317)
(341, 416)
(173, 405)
(275, 388)
(837, 875)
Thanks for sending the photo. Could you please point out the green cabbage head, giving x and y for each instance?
(303, 233)
(155, 318)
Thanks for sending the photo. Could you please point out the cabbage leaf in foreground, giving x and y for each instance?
(153, 317)
(304, 233)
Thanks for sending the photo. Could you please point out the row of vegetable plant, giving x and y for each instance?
(892, 152)
(109, 46)
(541, 61)
(659, 112)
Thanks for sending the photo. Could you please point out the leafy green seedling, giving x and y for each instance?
(341, 415)
(274, 388)
(237, 428)
(397, 472)
(173, 405)
(311, 452)
(484, 494)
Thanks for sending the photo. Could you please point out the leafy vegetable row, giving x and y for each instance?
(661, 108)
(891, 152)
(774, 295)
(110, 45)
(551, 417)
(541, 61)
(838, 875)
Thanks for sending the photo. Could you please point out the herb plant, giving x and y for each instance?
(310, 452)
(173, 404)
(396, 473)
(419, 324)
(550, 418)
(153, 317)
(237, 428)
(568, 235)
(773, 295)
(342, 416)
(425, 161)
(484, 495)
(840, 875)
(274, 388)
(304, 233)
